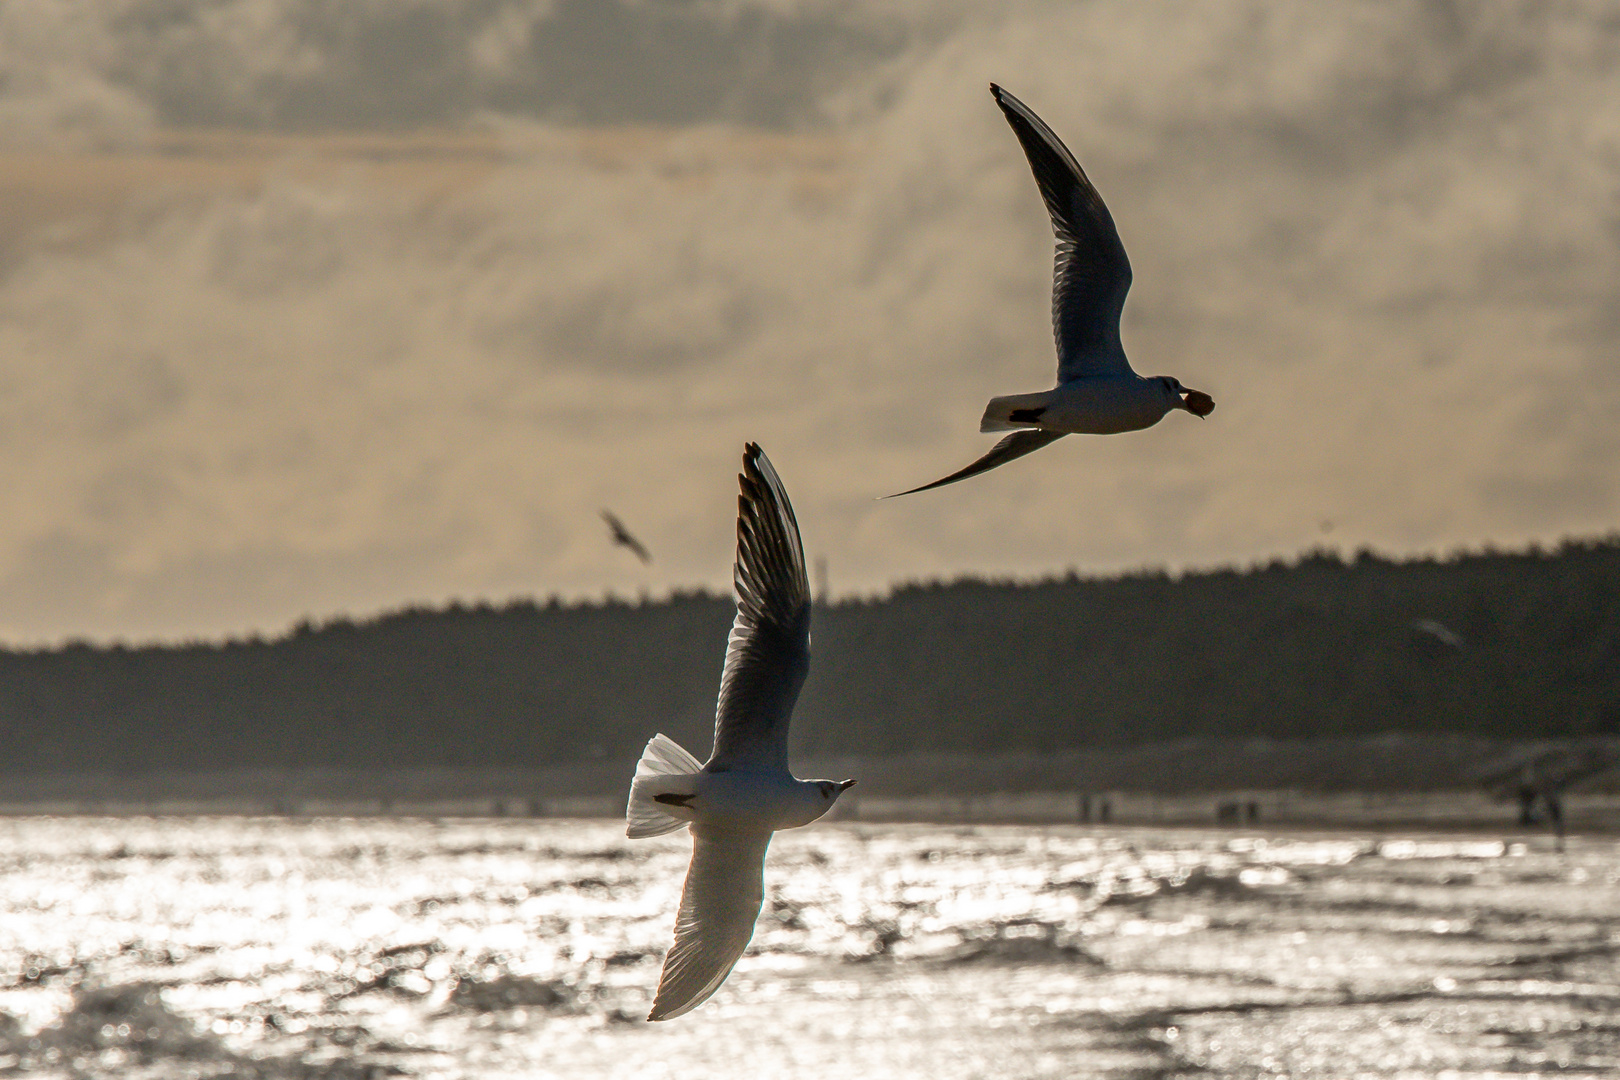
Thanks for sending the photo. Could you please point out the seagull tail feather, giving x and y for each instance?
(1015, 412)
(664, 769)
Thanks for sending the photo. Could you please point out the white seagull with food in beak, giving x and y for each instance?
(1097, 392)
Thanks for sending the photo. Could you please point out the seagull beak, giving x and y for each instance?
(844, 785)
(1198, 403)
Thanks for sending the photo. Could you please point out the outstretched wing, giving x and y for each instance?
(768, 655)
(719, 906)
(1092, 274)
(1013, 446)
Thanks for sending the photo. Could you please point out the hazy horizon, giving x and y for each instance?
(305, 314)
(676, 591)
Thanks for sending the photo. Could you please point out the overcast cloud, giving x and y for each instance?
(312, 308)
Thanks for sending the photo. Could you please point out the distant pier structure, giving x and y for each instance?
(1237, 812)
(1539, 780)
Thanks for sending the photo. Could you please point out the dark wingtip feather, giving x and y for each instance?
(1008, 449)
(770, 577)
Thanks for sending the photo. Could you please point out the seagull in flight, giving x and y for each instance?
(625, 537)
(744, 792)
(1097, 392)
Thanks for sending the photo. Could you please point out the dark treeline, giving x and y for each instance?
(1507, 646)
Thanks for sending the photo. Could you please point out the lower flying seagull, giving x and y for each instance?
(1097, 392)
(744, 792)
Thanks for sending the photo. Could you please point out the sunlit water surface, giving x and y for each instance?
(271, 948)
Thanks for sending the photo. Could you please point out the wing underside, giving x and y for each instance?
(768, 653)
(1091, 273)
(1013, 446)
(725, 886)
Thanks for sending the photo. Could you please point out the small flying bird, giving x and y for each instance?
(625, 537)
(1097, 392)
(1442, 633)
(744, 792)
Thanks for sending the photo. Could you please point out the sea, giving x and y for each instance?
(279, 948)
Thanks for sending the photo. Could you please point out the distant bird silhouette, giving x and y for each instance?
(623, 537)
(744, 792)
(1439, 631)
(1097, 392)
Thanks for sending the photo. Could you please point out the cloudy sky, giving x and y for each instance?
(311, 309)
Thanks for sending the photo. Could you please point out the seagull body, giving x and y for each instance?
(1097, 392)
(746, 799)
(1099, 405)
(734, 802)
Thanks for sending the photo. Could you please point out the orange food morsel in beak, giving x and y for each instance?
(1199, 403)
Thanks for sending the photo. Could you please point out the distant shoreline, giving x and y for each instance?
(1292, 675)
(1594, 813)
(1371, 782)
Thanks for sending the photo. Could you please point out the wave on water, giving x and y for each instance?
(273, 948)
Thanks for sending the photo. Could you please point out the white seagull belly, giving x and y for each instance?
(756, 799)
(1104, 406)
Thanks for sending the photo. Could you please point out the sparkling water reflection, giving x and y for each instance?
(366, 948)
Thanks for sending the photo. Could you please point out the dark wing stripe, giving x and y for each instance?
(768, 654)
(1091, 274)
(1013, 446)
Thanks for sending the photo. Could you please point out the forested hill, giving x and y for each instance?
(1521, 645)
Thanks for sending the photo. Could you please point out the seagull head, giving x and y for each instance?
(831, 789)
(1196, 402)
